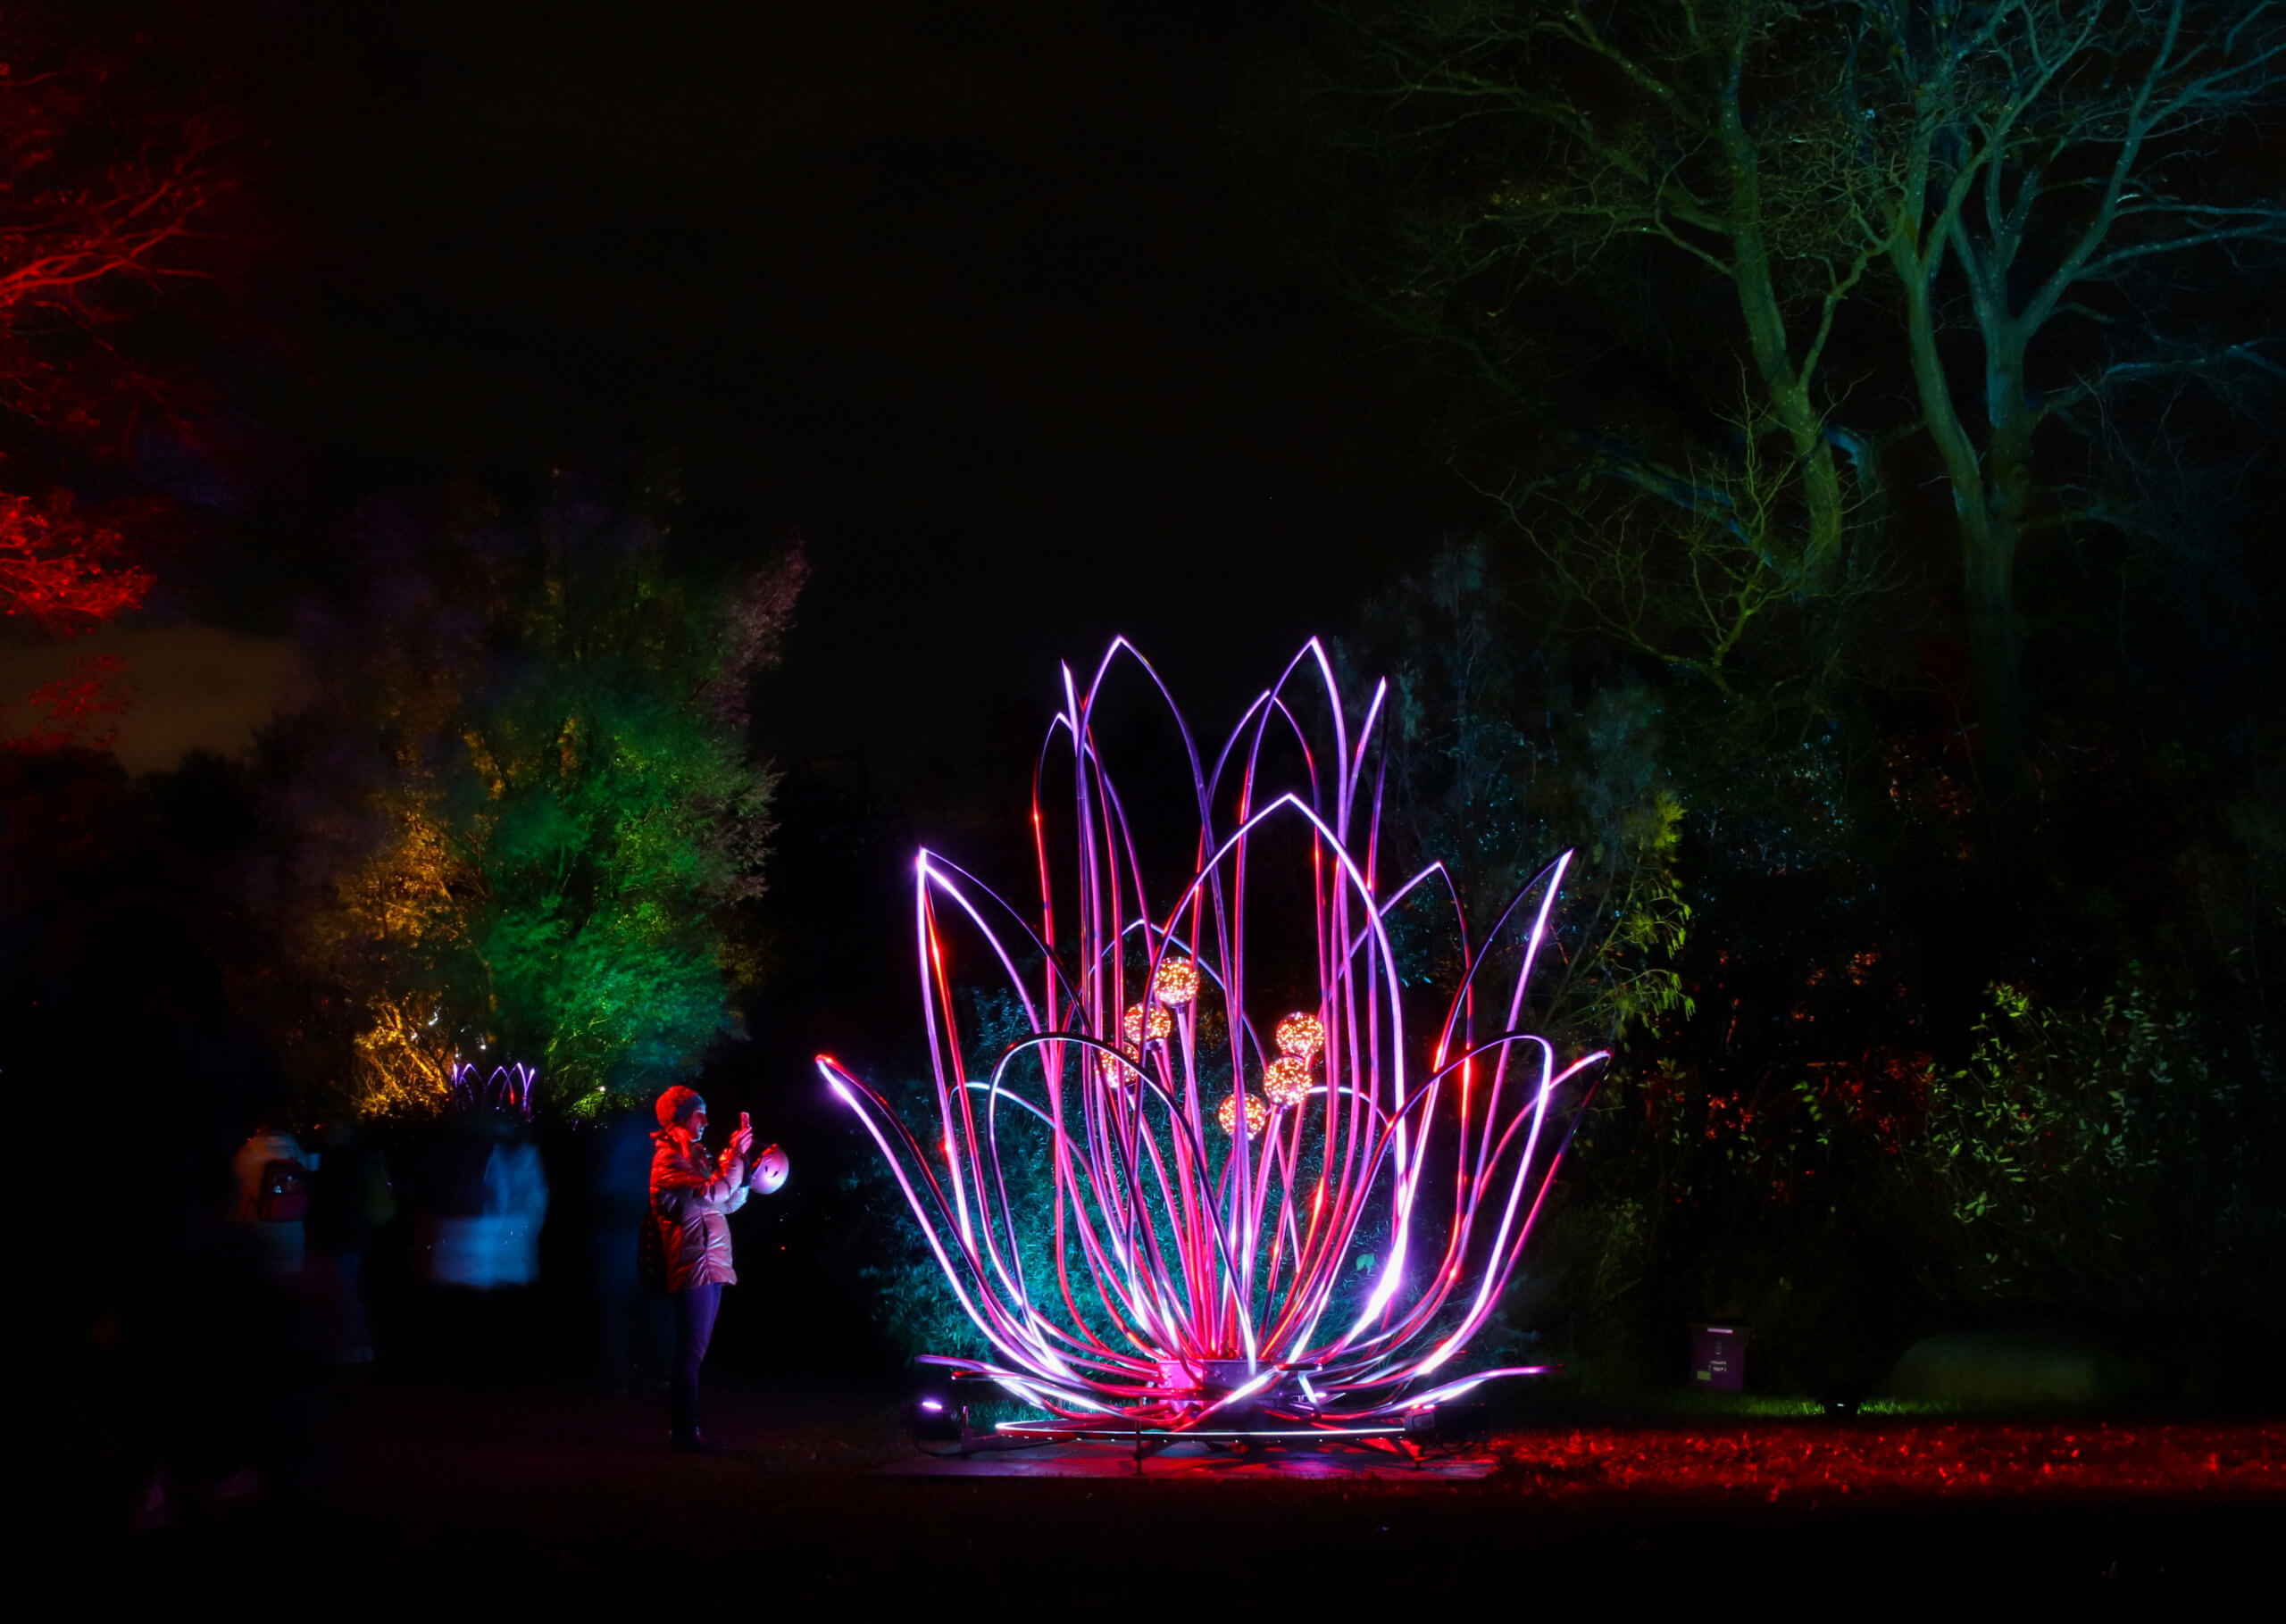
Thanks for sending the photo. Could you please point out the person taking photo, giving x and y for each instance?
(693, 1194)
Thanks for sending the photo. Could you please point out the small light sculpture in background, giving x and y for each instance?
(1321, 1263)
(508, 1088)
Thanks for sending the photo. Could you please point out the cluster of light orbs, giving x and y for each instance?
(1300, 1036)
(1257, 1114)
(1286, 1082)
(1153, 1020)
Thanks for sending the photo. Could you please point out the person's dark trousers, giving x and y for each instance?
(695, 1311)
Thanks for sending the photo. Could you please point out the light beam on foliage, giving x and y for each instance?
(1311, 1259)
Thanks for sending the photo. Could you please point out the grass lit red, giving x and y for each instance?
(2023, 1459)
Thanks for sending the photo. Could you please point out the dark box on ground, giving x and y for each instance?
(1718, 1356)
(1449, 1421)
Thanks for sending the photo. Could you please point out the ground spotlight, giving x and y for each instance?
(931, 1417)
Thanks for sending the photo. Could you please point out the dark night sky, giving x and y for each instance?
(963, 292)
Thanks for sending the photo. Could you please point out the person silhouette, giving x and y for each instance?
(693, 1195)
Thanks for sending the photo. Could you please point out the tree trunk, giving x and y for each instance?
(1995, 653)
(1786, 390)
(1989, 564)
(1989, 502)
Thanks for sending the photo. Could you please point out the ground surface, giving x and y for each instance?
(441, 1500)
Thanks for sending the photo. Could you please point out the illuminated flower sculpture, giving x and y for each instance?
(1300, 1220)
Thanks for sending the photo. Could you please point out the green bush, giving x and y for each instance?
(2108, 1160)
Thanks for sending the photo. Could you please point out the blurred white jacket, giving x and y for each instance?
(499, 1247)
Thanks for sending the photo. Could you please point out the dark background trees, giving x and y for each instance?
(1770, 263)
(1825, 370)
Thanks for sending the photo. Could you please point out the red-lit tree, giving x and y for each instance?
(104, 181)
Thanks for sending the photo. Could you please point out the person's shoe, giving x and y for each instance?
(698, 1444)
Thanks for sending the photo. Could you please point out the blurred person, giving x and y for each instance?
(272, 1176)
(479, 1194)
(350, 1198)
(633, 1342)
(498, 1244)
(693, 1195)
(218, 1349)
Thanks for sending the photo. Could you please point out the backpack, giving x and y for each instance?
(650, 1255)
(284, 1196)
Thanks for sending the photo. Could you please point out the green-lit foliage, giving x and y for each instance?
(1494, 769)
(1718, 935)
(1788, 1134)
(907, 1287)
(2113, 1158)
(1853, 707)
(531, 804)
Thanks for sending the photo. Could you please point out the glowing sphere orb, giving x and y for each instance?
(1301, 1033)
(1287, 1081)
(1177, 982)
(1132, 1027)
(770, 1171)
(1257, 1114)
(1114, 1071)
